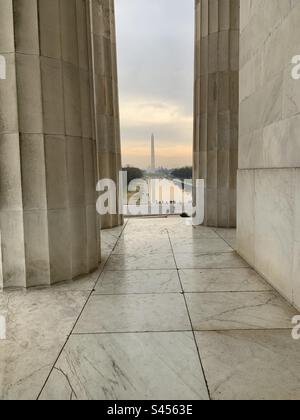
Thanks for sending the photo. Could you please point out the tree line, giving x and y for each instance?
(183, 173)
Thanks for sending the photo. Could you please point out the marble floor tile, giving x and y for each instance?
(229, 311)
(133, 339)
(115, 231)
(232, 242)
(141, 262)
(38, 323)
(200, 246)
(155, 221)
(251, 365)
(190, 232)
(218, 260)
(229, 235)
(84, 283)
(152, 366)
(226, 233)
(109, 238)
(223, 280)
(137, 246)
(159, 226)
(134, 313)
(145, 227)
(104, 259)
(126, 282)
(108, 242)
(147, 234)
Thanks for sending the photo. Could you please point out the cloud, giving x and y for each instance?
(156, 59)
(166, 156)
(136, 112)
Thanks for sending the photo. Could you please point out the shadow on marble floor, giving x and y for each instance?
(173, 313)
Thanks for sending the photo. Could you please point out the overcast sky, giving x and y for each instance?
(155, 41)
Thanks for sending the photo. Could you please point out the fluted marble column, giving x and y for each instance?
(216, 107)
(106, 97)
(48, 174)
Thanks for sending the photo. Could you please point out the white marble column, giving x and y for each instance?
(216, 107)
(48, 174)
(106, 97)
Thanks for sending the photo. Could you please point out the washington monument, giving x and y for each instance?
(153, 165)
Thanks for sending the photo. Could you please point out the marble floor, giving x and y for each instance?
(172, 313)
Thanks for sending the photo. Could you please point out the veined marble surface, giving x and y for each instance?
(38, 324)
(132, 313)
(217, 260)
(128, 366)
(139, 281)
(222, 280)
(230, 311)
(126, 331)
(251, 365)
(143, 246)
(141, 262)
(200, 246)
